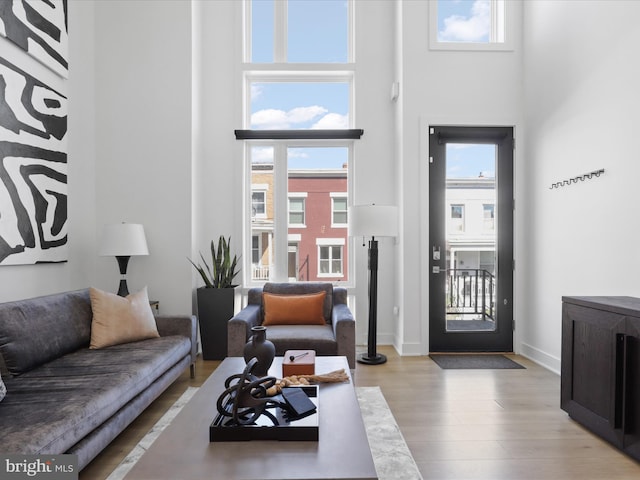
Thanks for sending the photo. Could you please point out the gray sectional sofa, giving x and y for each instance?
(62, 396)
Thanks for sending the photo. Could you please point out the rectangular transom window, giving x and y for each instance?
(294, 105)
(299, 31)
(470, 25)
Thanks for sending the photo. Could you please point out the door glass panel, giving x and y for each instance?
(471, 237)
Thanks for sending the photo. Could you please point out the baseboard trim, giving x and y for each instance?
(540, 357)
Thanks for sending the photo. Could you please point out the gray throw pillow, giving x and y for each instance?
(3, 389)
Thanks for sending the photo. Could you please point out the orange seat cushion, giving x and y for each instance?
(293, 309)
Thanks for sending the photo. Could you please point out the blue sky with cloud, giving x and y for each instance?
(318, 33)
(471, 160)
(464, 20)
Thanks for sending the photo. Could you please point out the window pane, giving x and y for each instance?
(257, 204)
(291, 105)
(262, 162)
(255, 249)
(339, 211)
(324, 260)
(471, 21)
(317, 31)
(336, 264)
(296, 205)
(262, 31)
(318, 173)
(296, 211)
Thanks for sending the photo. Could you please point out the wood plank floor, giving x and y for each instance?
(458, 424)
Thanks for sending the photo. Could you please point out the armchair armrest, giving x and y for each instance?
(184, 325)
(239, 329)
(344, 330)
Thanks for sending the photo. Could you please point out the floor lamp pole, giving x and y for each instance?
(372, 357)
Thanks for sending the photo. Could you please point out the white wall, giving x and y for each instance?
(442, 88)
(376, 165)
(581, 104)
(129, 150)
(143, 141)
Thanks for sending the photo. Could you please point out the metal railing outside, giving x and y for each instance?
(259, 272)
(470, 292)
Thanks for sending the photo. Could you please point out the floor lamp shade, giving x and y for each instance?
(122, 240)
(373, 221)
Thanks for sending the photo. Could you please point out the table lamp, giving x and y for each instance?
(373, 221)
(122, 240)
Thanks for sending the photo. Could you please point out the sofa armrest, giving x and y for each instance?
(184, 325)
(239, 329)
(344, 330)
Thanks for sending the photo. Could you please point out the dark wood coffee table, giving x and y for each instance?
(183, 450)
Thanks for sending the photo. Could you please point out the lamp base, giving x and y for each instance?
(376, 359)
(123, 291)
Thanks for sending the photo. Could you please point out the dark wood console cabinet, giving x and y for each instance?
(600, 373)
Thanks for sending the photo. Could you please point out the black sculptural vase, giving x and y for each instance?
(260, 348)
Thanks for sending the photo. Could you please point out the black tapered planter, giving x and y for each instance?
(216, 306)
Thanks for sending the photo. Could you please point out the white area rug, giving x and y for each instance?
(131, 459)
(391, 456)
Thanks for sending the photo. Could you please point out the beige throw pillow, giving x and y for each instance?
(120, 320)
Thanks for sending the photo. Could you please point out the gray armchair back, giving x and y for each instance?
(336, 337)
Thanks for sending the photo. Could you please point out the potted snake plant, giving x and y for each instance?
(218, 298)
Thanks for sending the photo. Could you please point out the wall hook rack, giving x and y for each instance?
(579, 178)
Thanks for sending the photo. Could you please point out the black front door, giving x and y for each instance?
(470, 239)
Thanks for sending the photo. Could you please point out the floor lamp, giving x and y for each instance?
(373, 221)
(122, 240)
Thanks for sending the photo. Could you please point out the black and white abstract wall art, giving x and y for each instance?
(33, 169)
(39, 27)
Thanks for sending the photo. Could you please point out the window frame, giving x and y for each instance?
(456, 224)
(508, 30)
(281, 203)
(488, 222)
(297, 196)
(330, 243)
(280, 35)
(262, 190)
(280, 70)
(334, 196)
(297, 76)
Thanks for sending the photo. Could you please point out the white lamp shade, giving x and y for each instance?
(373, 221)
(123, 239)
